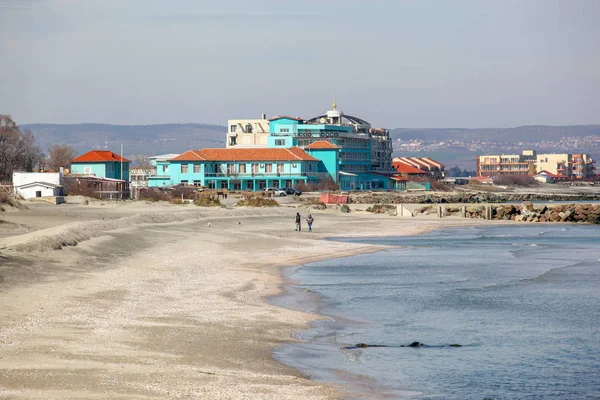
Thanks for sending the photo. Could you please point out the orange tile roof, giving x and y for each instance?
(99, 156)
(262, 154)
(321, 144)
(407, 169)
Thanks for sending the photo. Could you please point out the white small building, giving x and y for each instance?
(37, 184)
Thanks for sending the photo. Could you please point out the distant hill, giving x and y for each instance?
(461, 146)
(451, 146)
(530, 133)
(136, 139)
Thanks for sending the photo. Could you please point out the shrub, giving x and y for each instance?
(326, 183)
(187, 192)
(440, 186)
(153, 194)
(82, 190)
(177, 200)
(6, 199)
(515, 180)
(207, 202)
(258, 202)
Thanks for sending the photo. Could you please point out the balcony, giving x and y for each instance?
(264, 175)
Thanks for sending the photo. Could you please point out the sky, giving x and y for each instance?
(394, 63)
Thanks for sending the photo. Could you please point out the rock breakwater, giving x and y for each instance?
(525, 212)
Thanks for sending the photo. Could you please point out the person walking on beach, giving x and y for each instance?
(298, 222)
(309, 221)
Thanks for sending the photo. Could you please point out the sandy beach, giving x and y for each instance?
(153, 301)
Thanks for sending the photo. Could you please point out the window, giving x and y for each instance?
(197, 183)
(165, 168)
(184, 182)
(284, 130)
(184, 168)
(242, 168)
(233, 128)
(196, 168)
(230, 169)
(279, 142)
(268, 168)
(223, 184)
(280, 168)
(254, 168)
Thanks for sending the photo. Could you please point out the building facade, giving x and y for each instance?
(341, 147)
(507, 164)
(433, 168)
(243, 133)
(562, 165)
(38, 184)
(365, 153)
(101, 164)
(243, 169)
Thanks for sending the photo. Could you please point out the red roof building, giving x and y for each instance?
(408, 171)
(248, 154)
(321, 144)
(99, 156)
(101, 164)
(430, 166)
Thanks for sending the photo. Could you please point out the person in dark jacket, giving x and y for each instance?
(309, 221)
(298, 222)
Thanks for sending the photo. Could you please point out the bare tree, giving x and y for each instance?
(18, 152)
(141, 160)
(30, 154)
(59, 155)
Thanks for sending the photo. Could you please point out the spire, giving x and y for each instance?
(334, 103)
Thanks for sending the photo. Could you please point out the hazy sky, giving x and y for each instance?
(395, 63)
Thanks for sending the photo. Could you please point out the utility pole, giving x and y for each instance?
(121, 161)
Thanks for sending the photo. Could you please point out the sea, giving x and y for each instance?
(499, 312)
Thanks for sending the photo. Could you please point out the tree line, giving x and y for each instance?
(20, 153)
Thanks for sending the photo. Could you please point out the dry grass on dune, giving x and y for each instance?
(258, 202)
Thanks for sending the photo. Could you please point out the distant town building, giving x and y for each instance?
(433, 168)
(562, 166)
(408, 171)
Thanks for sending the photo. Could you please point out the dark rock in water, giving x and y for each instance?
(362, 345)
(414, 344)
(455, 345)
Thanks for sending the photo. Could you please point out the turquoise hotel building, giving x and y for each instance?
(345, 148)
(247, 169)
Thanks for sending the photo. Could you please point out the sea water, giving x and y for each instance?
(522, 301)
